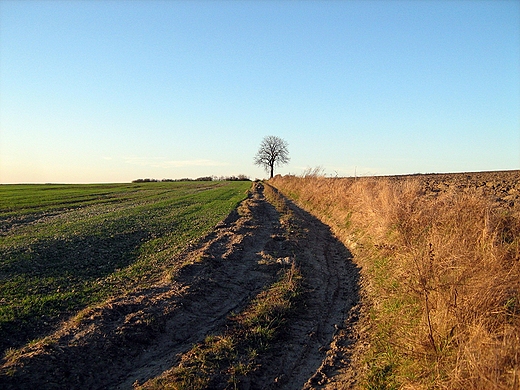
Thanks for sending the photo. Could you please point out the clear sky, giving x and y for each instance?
(111, 91)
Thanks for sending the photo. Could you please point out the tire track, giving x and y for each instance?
(331, 282)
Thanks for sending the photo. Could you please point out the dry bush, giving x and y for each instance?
(443, 275)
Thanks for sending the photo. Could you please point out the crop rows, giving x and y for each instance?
(64, 247)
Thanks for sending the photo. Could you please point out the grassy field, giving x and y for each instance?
(440, 259)
(64, 247)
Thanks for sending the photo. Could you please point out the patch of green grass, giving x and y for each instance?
(381, 377)
(64, 247)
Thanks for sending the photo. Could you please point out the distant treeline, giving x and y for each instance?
(204, 178)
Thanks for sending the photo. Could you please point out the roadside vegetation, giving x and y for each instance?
(441, 270)
(65, 247)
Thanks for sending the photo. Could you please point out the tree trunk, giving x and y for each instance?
(272, 171)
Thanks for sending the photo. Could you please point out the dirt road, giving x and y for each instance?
(137, 337)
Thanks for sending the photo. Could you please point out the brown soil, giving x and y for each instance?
(137, 337)
(502, 187)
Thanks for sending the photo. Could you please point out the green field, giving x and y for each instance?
(64, 247)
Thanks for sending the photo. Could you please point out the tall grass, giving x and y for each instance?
(443, 277)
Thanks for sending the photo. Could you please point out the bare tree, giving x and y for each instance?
(273, 151)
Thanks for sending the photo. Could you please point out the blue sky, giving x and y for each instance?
(111, 91)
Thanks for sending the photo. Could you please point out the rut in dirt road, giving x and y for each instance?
(135, 338)
(318, 341)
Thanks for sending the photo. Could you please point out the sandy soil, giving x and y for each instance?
(134, 338)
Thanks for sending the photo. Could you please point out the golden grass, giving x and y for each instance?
(442, 273)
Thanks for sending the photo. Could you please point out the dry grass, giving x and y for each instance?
(443, 277)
